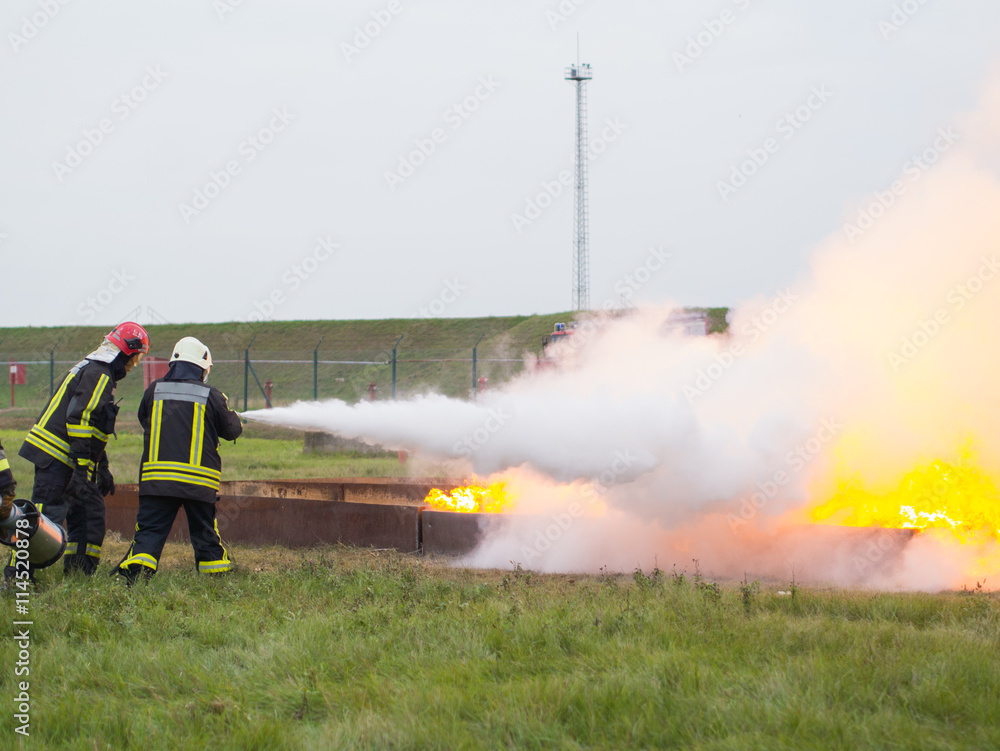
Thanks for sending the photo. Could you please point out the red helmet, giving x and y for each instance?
(130, 338)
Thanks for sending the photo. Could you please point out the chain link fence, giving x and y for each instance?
(251, 378)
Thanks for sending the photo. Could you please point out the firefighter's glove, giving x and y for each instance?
(105, 480)
(79, 483)
(7, 501)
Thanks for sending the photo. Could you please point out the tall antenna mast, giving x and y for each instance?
(580, 73)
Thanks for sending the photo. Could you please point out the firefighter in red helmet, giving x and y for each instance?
(8, 486)
(67, 445)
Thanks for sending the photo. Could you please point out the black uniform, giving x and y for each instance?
(183, 420)
(7, 483)
(72, 433)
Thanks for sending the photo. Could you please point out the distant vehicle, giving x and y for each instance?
(559, 332)
(559, 336)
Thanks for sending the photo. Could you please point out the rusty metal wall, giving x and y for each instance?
(451, 533)
(303, 513)
(288, 521)
(357, 489)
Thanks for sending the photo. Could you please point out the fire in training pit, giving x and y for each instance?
(492, 499)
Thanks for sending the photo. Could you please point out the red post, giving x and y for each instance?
(267, 390)
(13, 374)
(372, 388)
(482, 384)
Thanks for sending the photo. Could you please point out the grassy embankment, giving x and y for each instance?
(448, 341)
(335, 648)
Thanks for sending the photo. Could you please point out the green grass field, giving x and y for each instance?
(254, 456)
(360, 649)
(340, 648)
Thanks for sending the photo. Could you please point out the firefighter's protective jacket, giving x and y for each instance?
(75, 424)
(6, 476)
(182, 422)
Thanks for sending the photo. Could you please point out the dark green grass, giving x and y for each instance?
(337, 648)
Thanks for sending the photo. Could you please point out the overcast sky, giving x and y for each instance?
(117, 116)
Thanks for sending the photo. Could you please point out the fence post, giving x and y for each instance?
(246, 374)
(316, 369)
(474, 347)
(394, 364)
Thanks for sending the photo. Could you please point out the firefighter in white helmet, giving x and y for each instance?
(182, 420)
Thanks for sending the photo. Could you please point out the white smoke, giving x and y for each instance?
(677, 448)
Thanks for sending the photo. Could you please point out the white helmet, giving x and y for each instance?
(193, 351)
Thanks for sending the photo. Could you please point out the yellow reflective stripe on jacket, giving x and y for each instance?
(197, 433)
(79, 431)
(51, 437)
(95, 398)
(70, 548)
(175, 477)
(54, 401)
(156, 422)
(206, 472)
(86, 431)
(39, 441)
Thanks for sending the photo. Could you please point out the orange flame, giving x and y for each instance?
(484, 500)
(959, 498)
